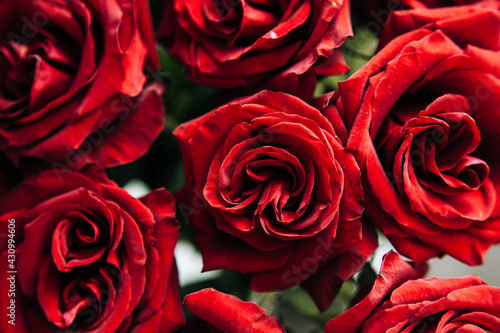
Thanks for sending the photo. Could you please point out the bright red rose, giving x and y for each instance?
(400, 303)
(70, 76)
(271, 191)
(270, 44)
(89, 257)
(423, 116)
(227, 313)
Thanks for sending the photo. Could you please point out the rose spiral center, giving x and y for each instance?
(275, 177)
(430, 159)
(78, 240)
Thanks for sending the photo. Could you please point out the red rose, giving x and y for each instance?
(227, 313)
(68, 73)
(437, 3)
(272, 192)
(423, 117)
(89, 257)
(270, 44)
(389, 5)
(399, 303)
(376, 12)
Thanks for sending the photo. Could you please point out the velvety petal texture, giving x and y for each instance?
(229, 314)
(422, 116)
(439, 3)
(266, 44)
(90, 258)
(271, 191)
(71, 77)
(376, 12)
(399, 302)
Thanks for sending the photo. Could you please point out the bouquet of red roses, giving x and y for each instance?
(244, 165)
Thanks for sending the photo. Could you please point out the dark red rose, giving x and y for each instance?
(423, 118)
(271, 191)
(89, 257)
(399, 302)
(69, 74)
(271, 44)
(227, 313)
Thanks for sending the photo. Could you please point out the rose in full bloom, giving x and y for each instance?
(423, 116)
(399, 302)
(276, 45)
(271, 191)
(71, 76)
(227, 313)
(89, 257)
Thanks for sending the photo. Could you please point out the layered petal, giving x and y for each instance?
(399, 302)
(230, 314)
(91, 257)
(70, 72)
(255, 45)
(271, 191)
(419, 116)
